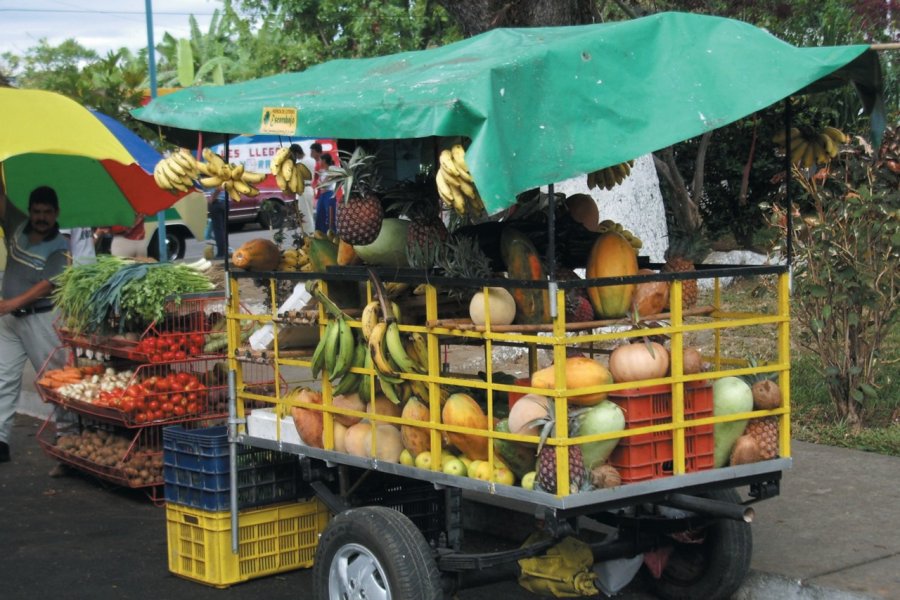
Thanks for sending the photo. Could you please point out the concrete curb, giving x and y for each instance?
(759, 586)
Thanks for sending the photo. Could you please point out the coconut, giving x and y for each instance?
(605, 476)
(766, 395)
(745, 451)
(693, 361)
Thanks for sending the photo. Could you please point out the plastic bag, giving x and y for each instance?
(564, 571)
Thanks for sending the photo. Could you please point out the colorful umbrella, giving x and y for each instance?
(101, 170)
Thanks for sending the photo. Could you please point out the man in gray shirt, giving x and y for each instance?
(36, 252)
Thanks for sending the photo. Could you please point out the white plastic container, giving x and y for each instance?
(261, 423)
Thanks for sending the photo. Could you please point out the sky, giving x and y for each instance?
(101, 25)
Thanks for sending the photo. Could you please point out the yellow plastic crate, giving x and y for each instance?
(272, 539)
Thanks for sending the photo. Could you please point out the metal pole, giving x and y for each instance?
(151, 59)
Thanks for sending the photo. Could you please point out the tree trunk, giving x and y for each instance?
(478, 16)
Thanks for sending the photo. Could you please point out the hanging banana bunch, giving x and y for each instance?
(230, 177)
(810, 147)
(290, 176)
(455, 184)
(176, 172)
(609, 177)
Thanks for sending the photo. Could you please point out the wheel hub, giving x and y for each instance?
(356, 574)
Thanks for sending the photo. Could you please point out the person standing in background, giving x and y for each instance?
(305, 200)
(82, 246)
(128, 242)
(218, 215)
(326, 207)
(37, 253)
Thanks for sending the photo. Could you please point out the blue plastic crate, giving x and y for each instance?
(196, 471)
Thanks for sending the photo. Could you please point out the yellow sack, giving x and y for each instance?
(564, 571)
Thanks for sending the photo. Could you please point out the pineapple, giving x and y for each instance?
(459, 257)
(578, 306)
(360, 213)
(765, 431)
(766, 396)
(683, 252)
(546, 456)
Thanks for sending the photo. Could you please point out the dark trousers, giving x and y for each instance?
(326, 209)
(219, 223)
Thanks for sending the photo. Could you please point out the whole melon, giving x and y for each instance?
(389, 248)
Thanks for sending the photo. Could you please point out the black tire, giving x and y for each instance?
(175, 245)
(271, 214)
(713, 569)
(385, 548)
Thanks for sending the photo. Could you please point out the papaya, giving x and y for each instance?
(257, 254)
(581, 372)
(323, 253)
(651, 297)
(523, 262)
(611, 256)
(415, 439)
(308, 421)
(518, 456)
(462, 410)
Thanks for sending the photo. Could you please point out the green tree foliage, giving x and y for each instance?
(846, 292)
(292, 35)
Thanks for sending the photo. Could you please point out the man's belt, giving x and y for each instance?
(32, 310)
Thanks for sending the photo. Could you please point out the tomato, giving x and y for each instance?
(192, 408)
(196, 350)
(178, 410)
(156, 358)
(168, 356)
(197, 339)
(193, 397)
(162, 385)
(153, 404)
(140, 417)
(183, 377)
(177, 399)
(167, 407)
(158, 415)
(176, 387)
(127, 405)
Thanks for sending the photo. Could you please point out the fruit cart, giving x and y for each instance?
(635, 461)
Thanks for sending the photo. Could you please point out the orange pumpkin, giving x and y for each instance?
(611, 256)
(257, 255)
(637, 361)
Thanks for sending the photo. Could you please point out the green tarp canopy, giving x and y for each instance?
(539, 105)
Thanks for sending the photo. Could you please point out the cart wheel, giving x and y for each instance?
(374, 552)
(713, 568)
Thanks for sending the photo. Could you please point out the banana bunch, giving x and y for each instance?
(289, 175)
(294, 259)
(609, 177)
(337, 351)
(231, 178)
(176, 172)
(455, 184)
(387, 351)
(608, 225)
(810, 147)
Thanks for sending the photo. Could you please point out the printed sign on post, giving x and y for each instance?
(279, 120)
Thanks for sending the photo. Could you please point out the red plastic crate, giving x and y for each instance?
(649, 456)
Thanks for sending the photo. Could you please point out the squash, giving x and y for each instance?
(581, 372)
(611, 256)
(639, 361)
(523, 262)
(257, 254)
(651, 297)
